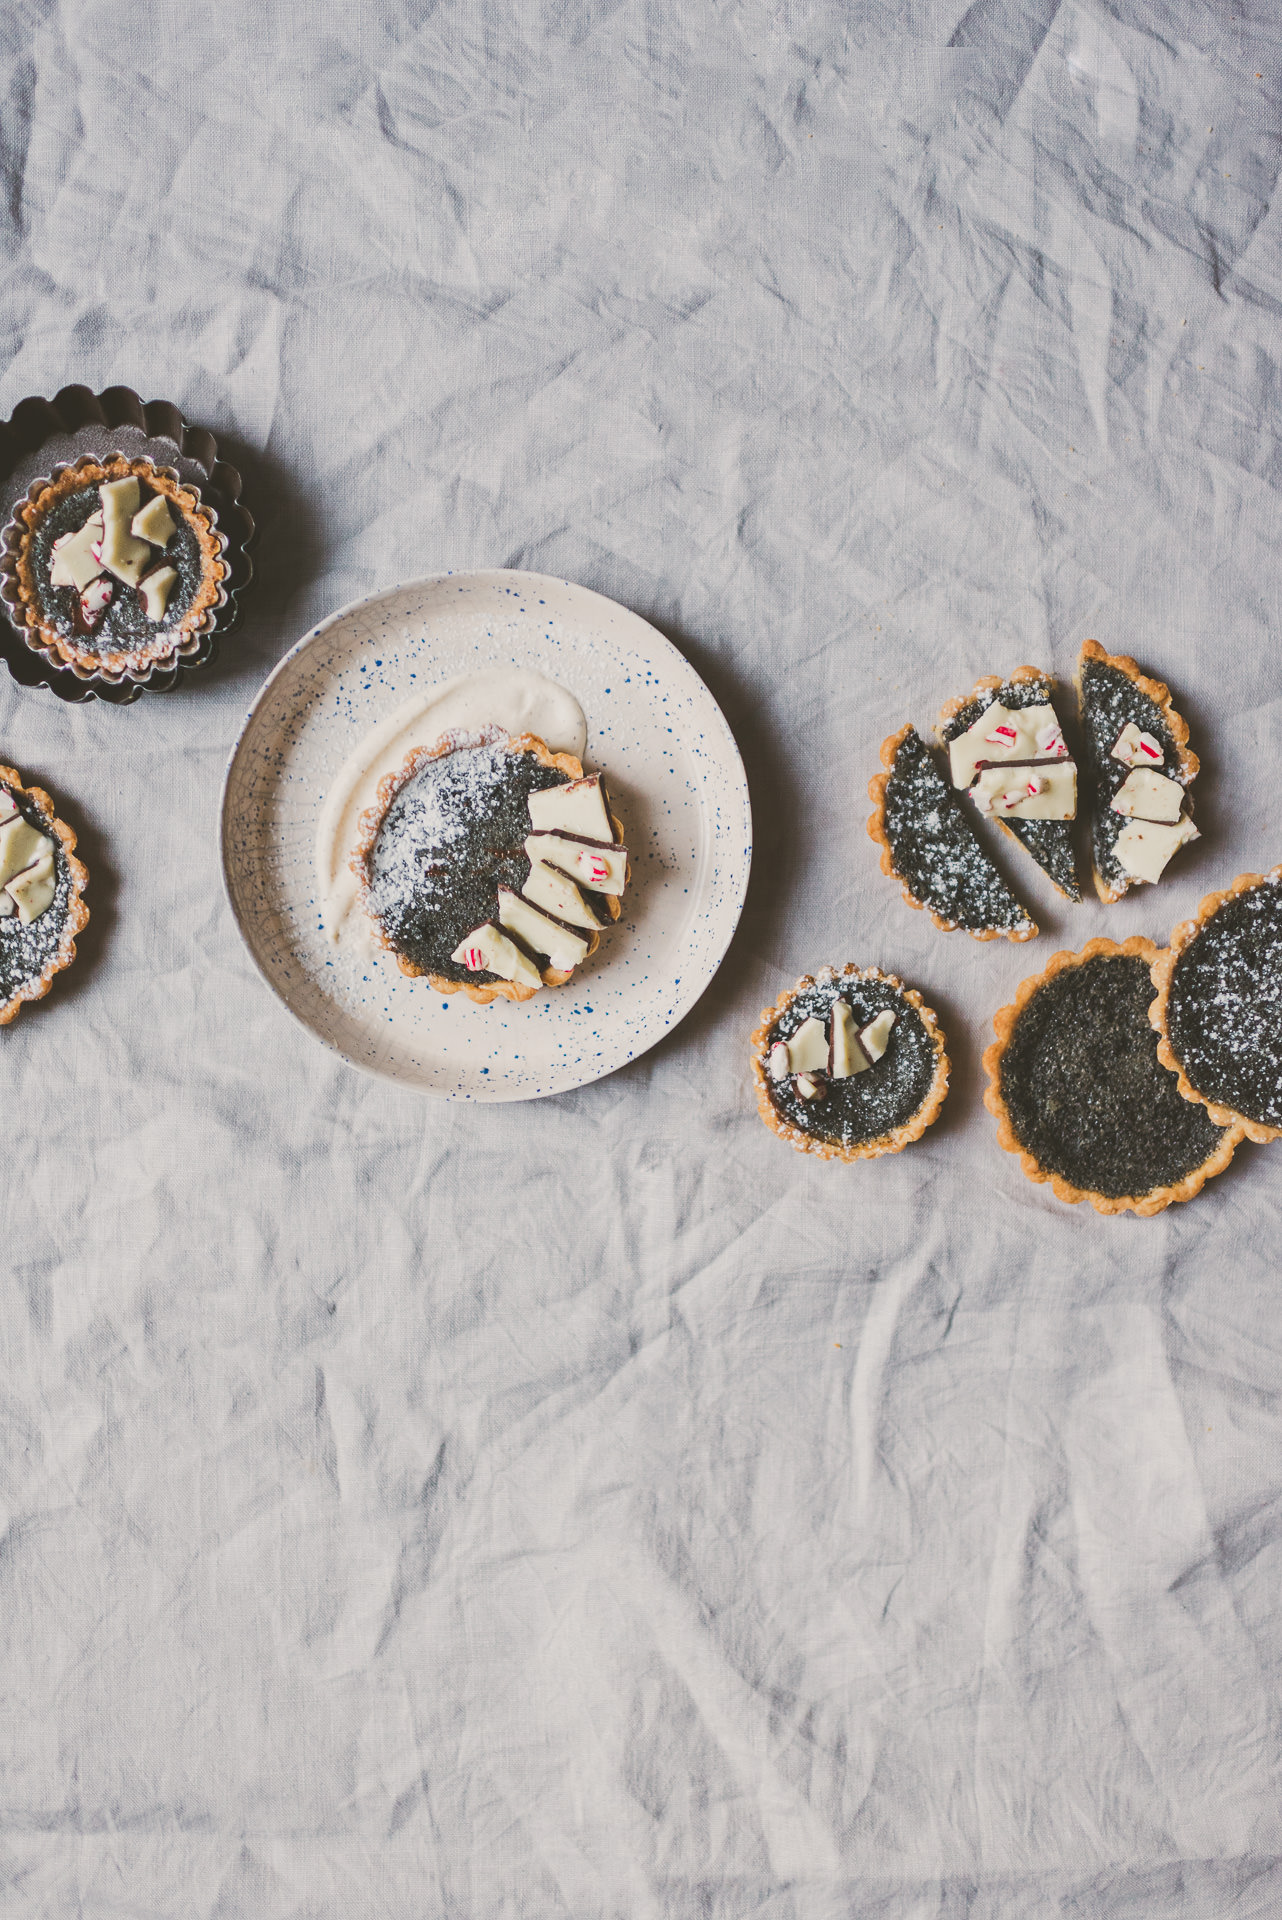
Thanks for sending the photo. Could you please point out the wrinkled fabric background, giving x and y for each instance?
(595, 1508)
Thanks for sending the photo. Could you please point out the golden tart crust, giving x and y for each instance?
(877, 833)
(1163, 972)
(895, 1139)
(372, 820)
(1004, 1023)
(76, 915)
(1177, 726)
(92, 473)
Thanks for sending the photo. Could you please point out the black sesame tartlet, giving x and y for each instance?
(1137, 766)
(38, 443)
(492, 865)
(113, 566)
(42, 885)
(1218, 1011)
(928, 845)
(849, 1064)
(1007, 753)
(1080, 1093)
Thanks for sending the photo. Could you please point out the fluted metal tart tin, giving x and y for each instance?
(44, 436)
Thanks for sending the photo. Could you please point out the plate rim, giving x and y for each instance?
(491, 1096)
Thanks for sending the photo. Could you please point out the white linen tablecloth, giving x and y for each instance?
(594, 1508)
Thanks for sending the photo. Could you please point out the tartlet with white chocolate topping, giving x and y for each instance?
(42, 885)
(1138, 768)
(849, 1064)
(1006, 751)
(1080, 1093)
(491, 865)
(117, 567)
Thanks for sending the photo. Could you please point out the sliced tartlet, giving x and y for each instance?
(849, 1064)
(42, 885)
(929, 846)
(1081, 1096)
(1006, 751)
(491, 865)
(1138, 768)
(1218, 1010)
(114, 566)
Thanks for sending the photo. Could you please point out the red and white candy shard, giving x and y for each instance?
(777, 1061)
(95, 600)
(809, 1086)
(1050, 740)
(1001, 737)
(1135, 748)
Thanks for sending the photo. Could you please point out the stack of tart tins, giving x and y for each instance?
(124, 547)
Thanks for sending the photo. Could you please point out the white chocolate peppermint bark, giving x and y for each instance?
(579, 807)
(20, 845)
(1005, 733)
(559, 895)
(589, 863)
(1149, 796)
(73, 558)
(1037, 790)
(1135, 748)
(154, 590)
(487, 949)
(32, 890)
(845, 1055)
(808, 1048)
(875, 1037)
(1144, 847)
(154, 522)
(119, 552)
(537, 930)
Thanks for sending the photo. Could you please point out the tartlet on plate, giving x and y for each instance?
(1007, 752)
(1080, 1094)
(42, 885)
(118, 567)
(1138, 767)
(490, 864)
(927, 844)
(884, 1071)
(1218, 1011)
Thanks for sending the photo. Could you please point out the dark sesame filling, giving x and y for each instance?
(451, 838)
(1224, 1010)
(935, 852)
(124, 626)
(1086, 1093)
(864, 1106)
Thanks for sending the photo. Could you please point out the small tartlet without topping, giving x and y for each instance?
(73, 913)
(1163, 973)
(1005, 1023)
(824, 989)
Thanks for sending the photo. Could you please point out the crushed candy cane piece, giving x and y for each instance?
(1135, 748)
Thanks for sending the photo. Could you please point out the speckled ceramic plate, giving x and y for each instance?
(653, 729)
